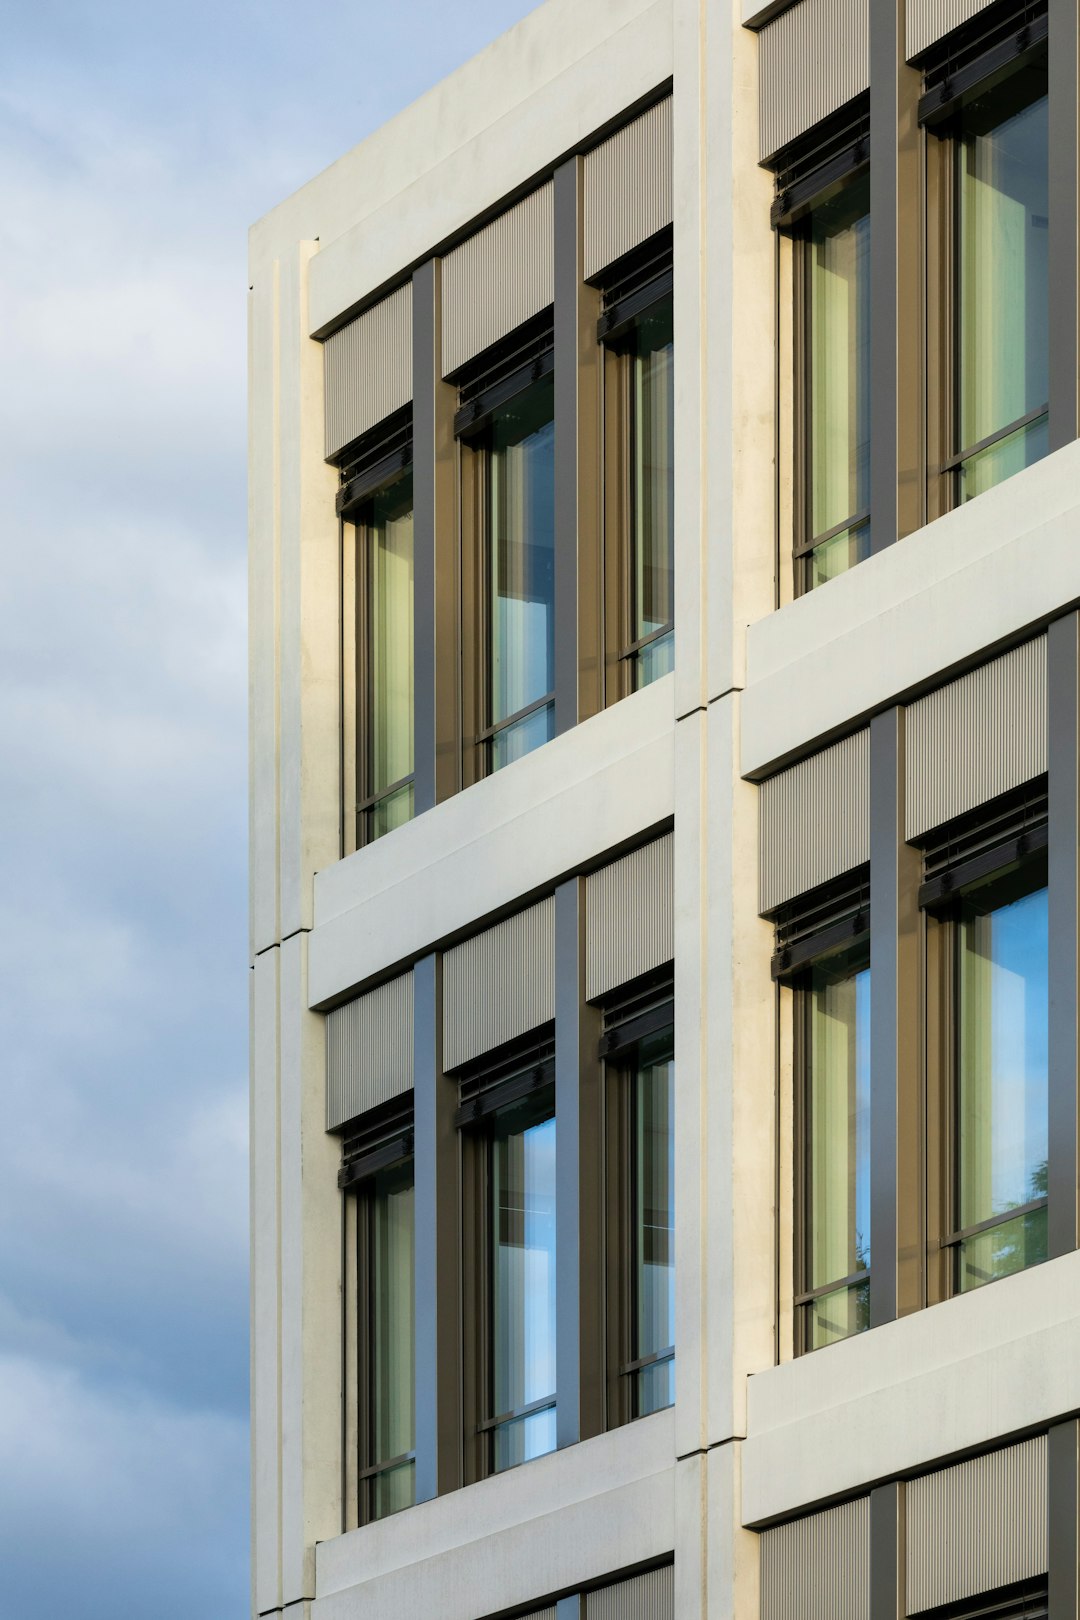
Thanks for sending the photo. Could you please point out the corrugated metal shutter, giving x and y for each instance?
(629, 917)
(499, 984)
(977, 1526)
(976, 737)
(818, 1568)
(930, 20)
(628, 188)
(369, 1051)
(815, 820)
(812, 60)
(643, 1597)
(368, 369)
(498, 278)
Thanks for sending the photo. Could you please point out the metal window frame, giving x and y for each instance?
(474, 1121)
(625, 1030)
(940, 903)
(831, 939)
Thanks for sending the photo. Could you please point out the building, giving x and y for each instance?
(665, 828)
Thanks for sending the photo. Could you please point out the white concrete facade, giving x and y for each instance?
(755, 1436)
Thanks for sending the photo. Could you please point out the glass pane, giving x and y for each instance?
(523, 1274)
(838, 1315)
(839, 554)
(521, 551)
(391, 1321)
(653, 1214)
(1003, 204)
(1010, 455)
(394, 1490)
(652, 478)
(838, 362)
(657, 659)
(838, 1134)
(1002, 1024)
(523, 1439)
(393, 811)
(390, 635)
(515, 741)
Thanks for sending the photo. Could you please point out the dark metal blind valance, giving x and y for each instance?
(826, 918)
(808, 170)
(521, 1071)
(636, 282)
(385, 1137)
(996, 42)
(985, 840)
(502, 371)
(373, 460)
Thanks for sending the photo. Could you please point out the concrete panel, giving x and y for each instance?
(485, 133)
(691, 1538)
(265, 1284)
(555, 1524)
(915, 1392)
(602, 784)
(945, 597)
(734, 1553)
(263, 593)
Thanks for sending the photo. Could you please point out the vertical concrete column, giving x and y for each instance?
(438, 1251)
(897, 495)
(578, 484)
(579, 1285)
(895, 1070)
(1063, 721)
(887, 1552)
(435, 561)
(1064, 180)
(1063, 1524)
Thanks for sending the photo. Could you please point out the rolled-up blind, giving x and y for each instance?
(927, 21)
(630, 917)
(977, 1526)
(369, 1051)
(815, 821)
(643, 1597)
(499, 984)
(818, 1567)
(628, 188)
(812, 60)
(368, 369)
(498, 279)
(975, 738)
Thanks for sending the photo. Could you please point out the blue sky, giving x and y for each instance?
(137, 144)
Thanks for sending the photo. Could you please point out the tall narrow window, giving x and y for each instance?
(639, 1053)
(1002, 285)
(1001, 948)
(637, 329)
(834, 1299)
(520, 573)
(521, 1283)
(389, 1467)
(835, 367)
(386, 653)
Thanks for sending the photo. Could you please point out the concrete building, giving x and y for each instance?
(665, 828)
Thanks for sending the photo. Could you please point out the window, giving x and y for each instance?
(379, 1296)
(507, 427)
(989, 957)
(376, 501)
(509, 1120)
(638, 334)
(989, 179)
(823, 955)
(834, 1299)
(640, 1053)
(835, 277)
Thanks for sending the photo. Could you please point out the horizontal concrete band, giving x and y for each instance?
(945, 598)
(914, 1393)
(489, 850)
(558, 1524)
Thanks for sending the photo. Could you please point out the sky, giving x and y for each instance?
(137, 144)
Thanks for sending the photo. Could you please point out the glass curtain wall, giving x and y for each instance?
(652, 495)
(520, 570)
(835, 1301)
(521, 1191)
(652, 1217)
(1002, 341)
(389, 1468)
(1002, 1013)
(388, 707)
(837, 384)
